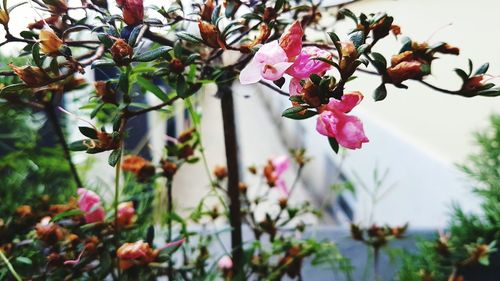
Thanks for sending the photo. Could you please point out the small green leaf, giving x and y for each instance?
(132, 39)
(153, 54)
(482, 69)
(348, 13)
(334, 144)
(13, 88)
(114, 157)
(35, 52)
(357, 38)
(78, 145)
(188, 37)
(69, 213)
(298, 113)
(181, 87)
(380, 93)
(123, 84)
(151, 87)
(104, 38)
(24, 260)
(462, 74)
(102, 63)
(88, 132)
(315, 79)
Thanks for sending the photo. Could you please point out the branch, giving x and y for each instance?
(279, 91)
(130, 114)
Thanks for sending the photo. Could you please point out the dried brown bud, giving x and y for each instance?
(269, 14)
(121, 52)
(283, 202)
(396, 30)
(264, 33)
(243, 187)
(48, 231)
(252, 170)
(186, 135)
(220, 172)
(24, 211)
(405, 70)
(176, 66)
(32, 76)
(311, 94)
(207, 10)
(106, 94)
(210, 35)
(4, 18)
(50, 42)
(169, 168)
(139, 166)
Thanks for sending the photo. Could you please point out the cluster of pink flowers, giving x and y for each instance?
(91, 206)
(287, 56)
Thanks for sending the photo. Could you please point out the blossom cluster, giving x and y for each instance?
(287, 55)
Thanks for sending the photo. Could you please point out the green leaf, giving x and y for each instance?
(104, 38)
(123, 84)
(35, 52)
(114, 157)
(380, 93)
(132, 39)
(151, 87)
(362, 49)
(334, 144)
(28, 34)
(462, 74)
(348, 13)
(54, 66)
(482, 69)
(153, 54)
(188, 37)
(24, 260)
(325, 60)
(65, 51)
(78, 145)
(13, 88)
(279, 82)
(379, 62)
(69, 213)
(102, 63)
(298, 113)
(279, 5)
(315, 79)
(470, 67)
(88, 132)
(357, 38)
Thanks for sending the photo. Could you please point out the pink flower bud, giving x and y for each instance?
(90, 204)
(225, 263)
(133, 11)
(126, 213)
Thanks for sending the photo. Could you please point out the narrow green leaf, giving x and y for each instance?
(462, 74)
(482, 69)
(102, 63)
(78, 145)
(188, 37)
(69, 213)
(181, 87)
(334, 144)
(13, 88)
(152, 54)
(151, 87)
(24, 260)
(88, 132)
(114, 157)
(348, 13)
(35, 52)
(380, 93)
(132, 39)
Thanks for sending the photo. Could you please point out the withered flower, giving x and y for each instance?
(50, 42)
(220, 172)
(169, 168)
(186, 135)
(126, 213)
(24, 211)
(48, 231)
(107, 94)
(31, 75)
(121, 52)
(405, 70)
(137, 253)
(142, 168)
(41, 23)
(210, 35)
(311, 94)
(264, 33)
(4, 18)
(243, 187)
(207, 10)
(56, 7)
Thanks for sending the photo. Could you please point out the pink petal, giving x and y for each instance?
(295, 88)
(325, 124)
(291, 40)
(280, 164)
(251, 73)
(348, 102)
(173, 244)
(276, 71)
(349, 131)
(281, 185)
(305, 64)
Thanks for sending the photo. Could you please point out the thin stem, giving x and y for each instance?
(115, 206)
(283, 93)
(10, 267)
(54, 120)
(169, 226)
(231, 146)
(376, 255)
(156, 107)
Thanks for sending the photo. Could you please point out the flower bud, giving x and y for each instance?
(126, 213)
(32, 76)
(207, 10)
(210, 35)
(56, 7)
(49, 42)
(225, 263)
(220, 172)
(4, 18)
(106, 94)
(48, 231)
(169, 168)
(186, 135)
(404, 71)
(139, 166)
(90, 204)
(24, 211)
(177, 66)
(133, 11)
(121, 52)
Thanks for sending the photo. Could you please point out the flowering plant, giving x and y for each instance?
(265, 42)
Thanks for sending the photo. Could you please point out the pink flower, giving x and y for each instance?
(280, 165)
(126, 213)
(335, 123)
(305, 64)
(295, 88)
(90, 204)
(270, 63)
(133, 11)
(291, 40)
(225, 263)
